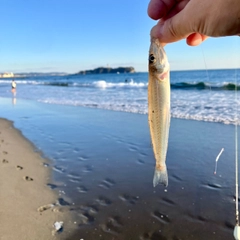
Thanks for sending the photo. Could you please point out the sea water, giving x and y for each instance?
(200, 95)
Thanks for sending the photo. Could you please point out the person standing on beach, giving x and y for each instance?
(194, 20)
(14, 85)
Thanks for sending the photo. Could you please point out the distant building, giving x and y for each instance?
(7, 75)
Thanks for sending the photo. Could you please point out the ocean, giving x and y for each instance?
(94, 129)
(205, 95)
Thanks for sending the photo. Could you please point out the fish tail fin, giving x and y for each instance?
(160, 177)
(236, 232)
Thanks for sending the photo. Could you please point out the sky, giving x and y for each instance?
(74, 35)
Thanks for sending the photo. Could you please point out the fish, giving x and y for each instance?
(159, 108)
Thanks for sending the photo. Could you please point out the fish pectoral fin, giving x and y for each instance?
(160, 177)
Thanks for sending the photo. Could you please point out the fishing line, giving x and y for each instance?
(208, 79)
(236, 232)
(205, 64)
(236, 150)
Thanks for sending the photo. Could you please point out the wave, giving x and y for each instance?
(179, 85)
(204, 86)
(129, 84)
(99, 84)
(213, 116)
(94, 84)
(58, 84)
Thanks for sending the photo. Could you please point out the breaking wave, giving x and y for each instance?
(129, 84)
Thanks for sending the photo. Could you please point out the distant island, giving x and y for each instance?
(101, 70)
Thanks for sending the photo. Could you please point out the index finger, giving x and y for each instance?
(160, 8)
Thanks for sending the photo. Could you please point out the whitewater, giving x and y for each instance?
(197, 95)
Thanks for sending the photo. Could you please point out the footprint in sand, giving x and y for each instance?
(87, 214)
(52, 186)
(107, 183)
(5, 161)
(161, 217)
(62, 202)
(5, 152)
(168, 201)
(140, 161)
(113, 225)
(19, 167)
(27, 178)
(82, 189)
(129, 199)
(45, 207)
(103, 201)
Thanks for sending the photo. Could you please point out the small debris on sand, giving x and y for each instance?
(58, 227)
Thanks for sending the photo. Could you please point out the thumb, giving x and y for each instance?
(172, 29)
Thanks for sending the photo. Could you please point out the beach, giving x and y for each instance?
(102, 165)
(29, 208)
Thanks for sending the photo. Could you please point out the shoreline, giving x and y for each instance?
(29, 208)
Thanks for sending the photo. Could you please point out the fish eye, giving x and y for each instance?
(151, 58)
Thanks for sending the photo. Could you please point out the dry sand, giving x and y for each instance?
(23, 191)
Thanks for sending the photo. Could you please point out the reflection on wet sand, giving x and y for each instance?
(14, 100)
(14, 93)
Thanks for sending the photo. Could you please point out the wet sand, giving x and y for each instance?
(115, 198)
(109, 178)
(104, 162)
(29, 208)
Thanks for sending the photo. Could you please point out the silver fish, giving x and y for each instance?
(159, 108)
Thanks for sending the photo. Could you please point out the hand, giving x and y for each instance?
(194, 20)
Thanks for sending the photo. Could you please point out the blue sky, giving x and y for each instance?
(74, 35)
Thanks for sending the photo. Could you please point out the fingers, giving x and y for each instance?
(159, 8)
(176, 9)
(175, 24)
(195, 39)
(173, 29)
